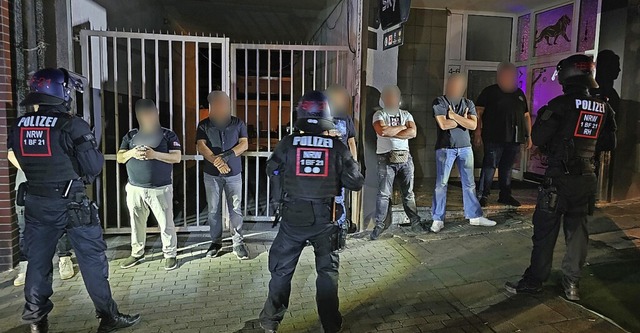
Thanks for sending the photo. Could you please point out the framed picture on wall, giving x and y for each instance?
(553, 31)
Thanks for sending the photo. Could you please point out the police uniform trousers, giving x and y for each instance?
(46, 220)
(301, 223)
(574, 195)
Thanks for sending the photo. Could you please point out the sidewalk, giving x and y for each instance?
(446, 282)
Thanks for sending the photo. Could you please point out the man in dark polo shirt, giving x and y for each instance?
(149, 153)
(221, 139)
(455, 116)
(504, 123)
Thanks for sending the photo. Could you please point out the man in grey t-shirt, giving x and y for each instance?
(394, 128)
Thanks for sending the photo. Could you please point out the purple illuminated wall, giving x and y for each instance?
(524, 26)
(553, 31)
(522, 78)
(543, 90)
(587, 28)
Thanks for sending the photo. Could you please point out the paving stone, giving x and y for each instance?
(449, 282)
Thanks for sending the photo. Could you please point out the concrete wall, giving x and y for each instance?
(626, 158)
(83, 11)
(420, 77)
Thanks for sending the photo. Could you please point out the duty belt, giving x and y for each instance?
(53, 190)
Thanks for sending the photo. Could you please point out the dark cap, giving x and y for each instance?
(145, 104)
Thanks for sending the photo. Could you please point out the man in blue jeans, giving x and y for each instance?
(504, 124)
(455, 116)
(221, 139)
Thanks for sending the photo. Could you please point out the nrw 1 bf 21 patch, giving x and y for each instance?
(35, 141)
(312, 162)
(588, 125)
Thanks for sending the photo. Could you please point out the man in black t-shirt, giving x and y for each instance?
(504, 123)
(149, 153)
(221, 139)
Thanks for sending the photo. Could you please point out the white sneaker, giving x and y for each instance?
(66, 268)
(22, 274)
(482, 221)
(436, 226)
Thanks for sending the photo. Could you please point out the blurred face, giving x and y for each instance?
(391, 100)
(339, 103)
(220, 108)
(148, 118)
(456, 87)
(508, 79)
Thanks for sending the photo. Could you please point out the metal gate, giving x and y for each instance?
(266, 83)
(177, 71)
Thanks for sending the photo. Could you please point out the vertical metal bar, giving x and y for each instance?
(246, 118)
(268, 118)
(315, 61)
(184, 137)
(116, 116)
(197, 152)
(129, 79)
(337, 79)
(157, 68)
(257, 197)
(291, 94)
(170, 55)
(210, 88)
(326, 69)
(280, 97)
(197, 118)
(102, 80)
(143, 68)
(303, 76)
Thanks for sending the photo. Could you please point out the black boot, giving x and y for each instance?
(570, 289)
(114, 323)
(41, 326)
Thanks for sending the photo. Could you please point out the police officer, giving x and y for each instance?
(59, 155)
(313, 166)
(569, 130)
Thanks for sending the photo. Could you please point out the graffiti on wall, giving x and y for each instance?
(522, 44)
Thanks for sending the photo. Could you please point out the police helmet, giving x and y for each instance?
(52, 86)
(576, 70)
(314, 115)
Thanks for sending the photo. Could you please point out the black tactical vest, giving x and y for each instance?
(312, 167)
(572, 150)
(42, 147)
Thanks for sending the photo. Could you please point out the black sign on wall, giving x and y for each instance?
(393, 12)
(393, 38)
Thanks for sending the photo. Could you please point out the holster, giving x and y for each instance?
(82, 212)
(21, 194)
(548, 197)
(339, 238)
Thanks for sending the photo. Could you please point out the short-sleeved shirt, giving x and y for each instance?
(456, 137)
(347, 129)
(503, 116)
(392, 118)
(220, 140)
(150, 173)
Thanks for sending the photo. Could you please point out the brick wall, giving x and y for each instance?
(8, 227)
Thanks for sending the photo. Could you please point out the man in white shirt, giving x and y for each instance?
(394, 128)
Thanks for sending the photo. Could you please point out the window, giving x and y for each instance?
(489, 38)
